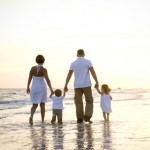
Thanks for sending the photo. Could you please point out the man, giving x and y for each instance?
(82, 85)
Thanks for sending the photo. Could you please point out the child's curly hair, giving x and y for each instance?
(106, 88)
(58, 92)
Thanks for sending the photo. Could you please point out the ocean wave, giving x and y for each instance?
(13, 104)
(13, 99)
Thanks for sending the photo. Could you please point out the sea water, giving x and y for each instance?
(128, 128)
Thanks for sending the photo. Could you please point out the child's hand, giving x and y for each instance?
(64, 93)
(96, 86)
(110, 97)
(51, 94)
(65, 88)
(98, 90)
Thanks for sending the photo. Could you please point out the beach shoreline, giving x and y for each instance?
(128, 127)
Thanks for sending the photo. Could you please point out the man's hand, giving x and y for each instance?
(96, 86)
(65, 89)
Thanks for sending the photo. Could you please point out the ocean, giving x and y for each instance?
(128, 128)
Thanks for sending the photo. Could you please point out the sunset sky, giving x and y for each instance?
(114, 34)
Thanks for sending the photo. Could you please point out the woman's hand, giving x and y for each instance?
(28, 90)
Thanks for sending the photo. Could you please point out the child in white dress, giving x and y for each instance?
(105, 101)
(57, 106)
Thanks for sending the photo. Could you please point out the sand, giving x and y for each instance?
(127, 129)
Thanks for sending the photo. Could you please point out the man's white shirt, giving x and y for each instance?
(80, 68)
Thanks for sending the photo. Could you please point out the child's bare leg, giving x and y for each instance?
(42, 105)
(104, 115)
(33, 109)
(107, 116)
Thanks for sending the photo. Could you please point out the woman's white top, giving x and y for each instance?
(38, 93)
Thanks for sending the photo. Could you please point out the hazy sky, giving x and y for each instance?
(115, 35)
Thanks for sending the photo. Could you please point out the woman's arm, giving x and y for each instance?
(48, 80)
(29, 81)
(51, 95)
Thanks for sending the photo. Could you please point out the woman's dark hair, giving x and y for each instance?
(40, 59)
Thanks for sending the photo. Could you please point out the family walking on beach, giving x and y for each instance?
(82, 68)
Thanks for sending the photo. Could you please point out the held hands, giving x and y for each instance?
(65, 89)
(96, 86)
(52, 93)
(64, 93)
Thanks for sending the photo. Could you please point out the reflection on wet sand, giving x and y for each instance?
(127, 130)
(72, 136)
(84, 136)
(38, 136)
(58, 137)
(106, 136)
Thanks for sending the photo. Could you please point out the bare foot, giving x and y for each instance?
(31, 121)
(90, 121)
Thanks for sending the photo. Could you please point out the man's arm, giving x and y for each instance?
(94, 76)
(67, 80)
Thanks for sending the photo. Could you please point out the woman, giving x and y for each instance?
(38, 92)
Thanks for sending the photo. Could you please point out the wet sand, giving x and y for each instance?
(128, 129)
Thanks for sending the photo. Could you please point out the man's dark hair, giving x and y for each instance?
(80, 52)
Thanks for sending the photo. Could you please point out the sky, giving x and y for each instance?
(114, 34)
